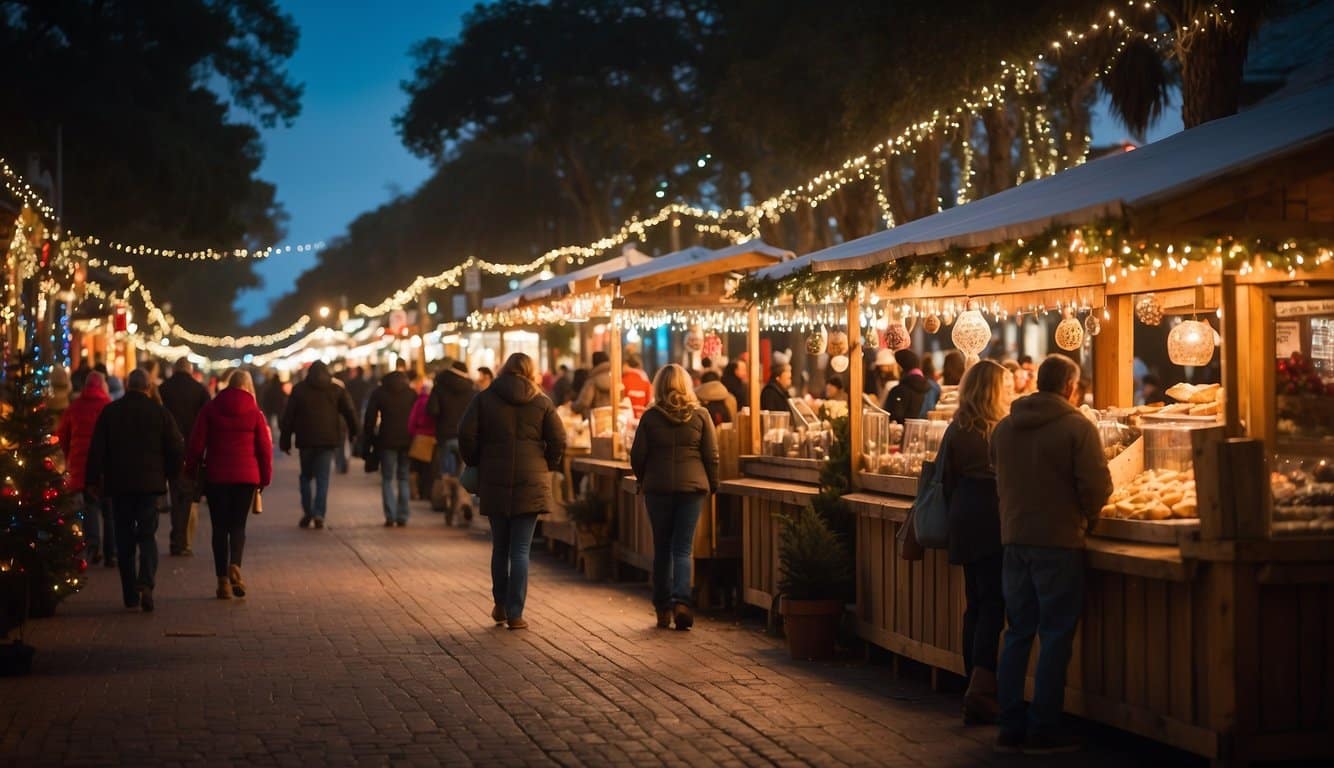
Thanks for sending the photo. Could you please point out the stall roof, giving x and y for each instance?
(695, 261)
(558, 284)
(1110, 187)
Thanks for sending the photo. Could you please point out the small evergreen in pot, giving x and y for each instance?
(813, 573)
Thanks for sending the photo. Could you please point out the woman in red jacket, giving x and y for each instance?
(75, 433)
(231, 440)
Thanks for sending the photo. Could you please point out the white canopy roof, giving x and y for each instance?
(695, 255)
(557, 284)
(1110, 187)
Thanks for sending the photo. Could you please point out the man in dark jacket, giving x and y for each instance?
(312, 416)
(1052, 479)
(386, 425)
(184, 398)
(450, 396)
(136, 447)
(736, 377)
(358, 386)
(907, 400)
(775, 395)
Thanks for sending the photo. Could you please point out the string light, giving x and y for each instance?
(206, 254)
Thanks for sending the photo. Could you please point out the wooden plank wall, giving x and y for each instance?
(759, 545)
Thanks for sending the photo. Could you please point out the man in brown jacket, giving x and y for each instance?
(1052, 480)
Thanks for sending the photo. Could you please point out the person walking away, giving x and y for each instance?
(421, 429)
(635, 385)
(386, 423)
(312, 416)
(675, 457)
(776, 393)
(341, 465)
(79, 378)
(736, 378)
(231, 441)
(1052, 479)
(907, 400)
(272, 399)
(136, 446)
(596, 392)
(969, 481)
(184, 398)
(512, 434)
(358, 388)
(58, 392)
(561, 391)
(715, 398)
(75, 433)
(450, 396)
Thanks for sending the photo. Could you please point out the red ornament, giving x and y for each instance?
(11, 492)
(50, 494)
(83, 565)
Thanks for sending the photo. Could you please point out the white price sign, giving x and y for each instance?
(1287, 338)
(1304, 307)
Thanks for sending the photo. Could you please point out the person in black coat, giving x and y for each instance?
(907, 400)
(776, 393)
(312, 416)
(736, 377)
(184, 398)
(511, 433)
(675, 458)
(136, 446)
(450, 396)
(386, 426)
(969, 482)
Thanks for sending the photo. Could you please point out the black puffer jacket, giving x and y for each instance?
(672, 454)
(136, 447)
(512, 434)
(184, 398)
(908, 399)
(450, 396)
(774, 398)
(390, 406)
(313, 411)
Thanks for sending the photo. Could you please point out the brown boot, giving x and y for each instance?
(664, 618)
(234, 576)
(979, 701)
(224, 589)
(498, 615)
(684, 618)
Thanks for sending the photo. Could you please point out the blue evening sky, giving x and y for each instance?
(342, 157)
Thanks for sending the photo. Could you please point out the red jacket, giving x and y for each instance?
(75, 431)
(231, 439)
(638, 389)
(420, 421)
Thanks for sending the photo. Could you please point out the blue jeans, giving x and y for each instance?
(447, 457)
(1044, 595)
(511, 540)
(316, 465)
(136, 518)
(673, 518)
(394, 472)
(98, 529)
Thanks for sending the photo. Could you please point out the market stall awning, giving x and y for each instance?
(694, 263)
(1296, 134)
(560, 284)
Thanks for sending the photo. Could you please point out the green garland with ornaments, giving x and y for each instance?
(1108, 242)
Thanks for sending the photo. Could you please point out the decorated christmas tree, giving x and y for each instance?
(41, 536)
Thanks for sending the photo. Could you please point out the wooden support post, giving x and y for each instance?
(1231, 319)
(856, 371)
(756, 373)
(614, 355)
(1113, 354)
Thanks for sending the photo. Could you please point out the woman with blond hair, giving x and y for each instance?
(510, 432)
(969, 481)
(675, 458)
(232, 442)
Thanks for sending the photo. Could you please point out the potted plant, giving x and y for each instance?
(589, 515)
(813, 573)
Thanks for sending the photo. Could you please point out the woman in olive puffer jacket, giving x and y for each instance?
(675, 458)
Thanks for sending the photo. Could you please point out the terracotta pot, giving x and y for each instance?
(811, 627)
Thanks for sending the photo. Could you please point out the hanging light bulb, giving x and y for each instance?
(1069, 333)
(1191, 343)
(971, 333)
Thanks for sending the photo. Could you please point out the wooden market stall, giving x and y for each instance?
(1213, 634)
(687, 291)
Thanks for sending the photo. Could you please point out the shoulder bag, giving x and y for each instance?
(930, 511)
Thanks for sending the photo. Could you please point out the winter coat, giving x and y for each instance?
(739, 389)
(720, 403)
(185, 398)
(231, 439)
(314, 410)
(57, 397)
(77, 423)
(136, 446)
(272, 398)
(358, 388)
(637, 389)
(450, 396)
(908, 399)
(420, 422)
(969, 481)
(596, 392)
(512, 434)
(560, 391)
(391, 406)
(675, 453)
(1051, 473)
(774, 398)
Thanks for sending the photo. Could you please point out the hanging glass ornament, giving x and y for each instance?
(971, 333)
(837, 344)
(839, 363)
(713, 346)
(1149, 310)
(897, 336)
(1092, 324)
(931, 323)
(1191, 343)
(818, 341)
(1069, 333)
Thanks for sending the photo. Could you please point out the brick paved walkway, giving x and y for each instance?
(371, 646)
